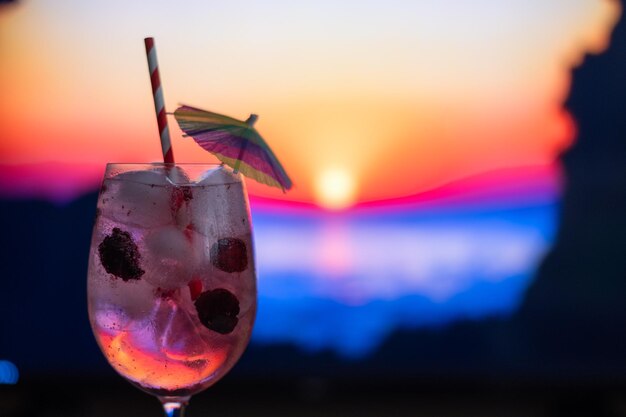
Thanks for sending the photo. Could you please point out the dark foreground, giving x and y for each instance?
(319, 397)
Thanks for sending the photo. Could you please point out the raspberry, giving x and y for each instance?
(189, 232)
(229, 254)
(195, 288)
(217, 310)
(180, 195)
(166, 294)
(119, 255)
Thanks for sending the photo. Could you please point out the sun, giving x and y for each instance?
(335, 189)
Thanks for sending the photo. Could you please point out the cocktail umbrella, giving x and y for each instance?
(234, 142)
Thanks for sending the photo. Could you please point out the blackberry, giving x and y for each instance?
(217, 310)
(229, 254)
(119, 255)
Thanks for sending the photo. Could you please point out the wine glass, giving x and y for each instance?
(171, 280)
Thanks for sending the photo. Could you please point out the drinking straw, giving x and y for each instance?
(159, 103)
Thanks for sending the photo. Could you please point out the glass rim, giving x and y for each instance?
(166, 164)
(192, 171)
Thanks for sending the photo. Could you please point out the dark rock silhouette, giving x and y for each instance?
(576, 307)
(588, 257)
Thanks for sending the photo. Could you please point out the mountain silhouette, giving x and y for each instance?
(576, 304)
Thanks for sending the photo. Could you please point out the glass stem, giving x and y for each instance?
(174, 407)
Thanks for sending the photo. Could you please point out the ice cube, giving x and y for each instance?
(176, 175)
(181, 210)
(219, 206)
(138, 198)
(170, 256)
(118, 304)
(245, 287)
(182, 193)
(218, 176)
(179, 333)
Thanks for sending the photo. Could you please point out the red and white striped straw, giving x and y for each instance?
(159, 103)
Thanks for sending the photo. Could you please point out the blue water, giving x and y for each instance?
(344, 282)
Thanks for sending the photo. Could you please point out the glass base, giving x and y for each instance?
(174, 406)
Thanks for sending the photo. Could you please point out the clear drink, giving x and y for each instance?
(171, 281)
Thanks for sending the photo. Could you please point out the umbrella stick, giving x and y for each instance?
(250, 122)
(242, 150)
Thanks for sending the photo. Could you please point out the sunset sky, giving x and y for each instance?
(422, 139)
(361, 100)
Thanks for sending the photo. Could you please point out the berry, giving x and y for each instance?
(180, 195)
(229, 254)
(188, 231)
(195, 288)
(166, 294)
(217, 310)
(119, 255)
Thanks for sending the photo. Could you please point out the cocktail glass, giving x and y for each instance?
(171, 280)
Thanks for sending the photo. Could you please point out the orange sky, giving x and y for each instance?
(394, 97)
